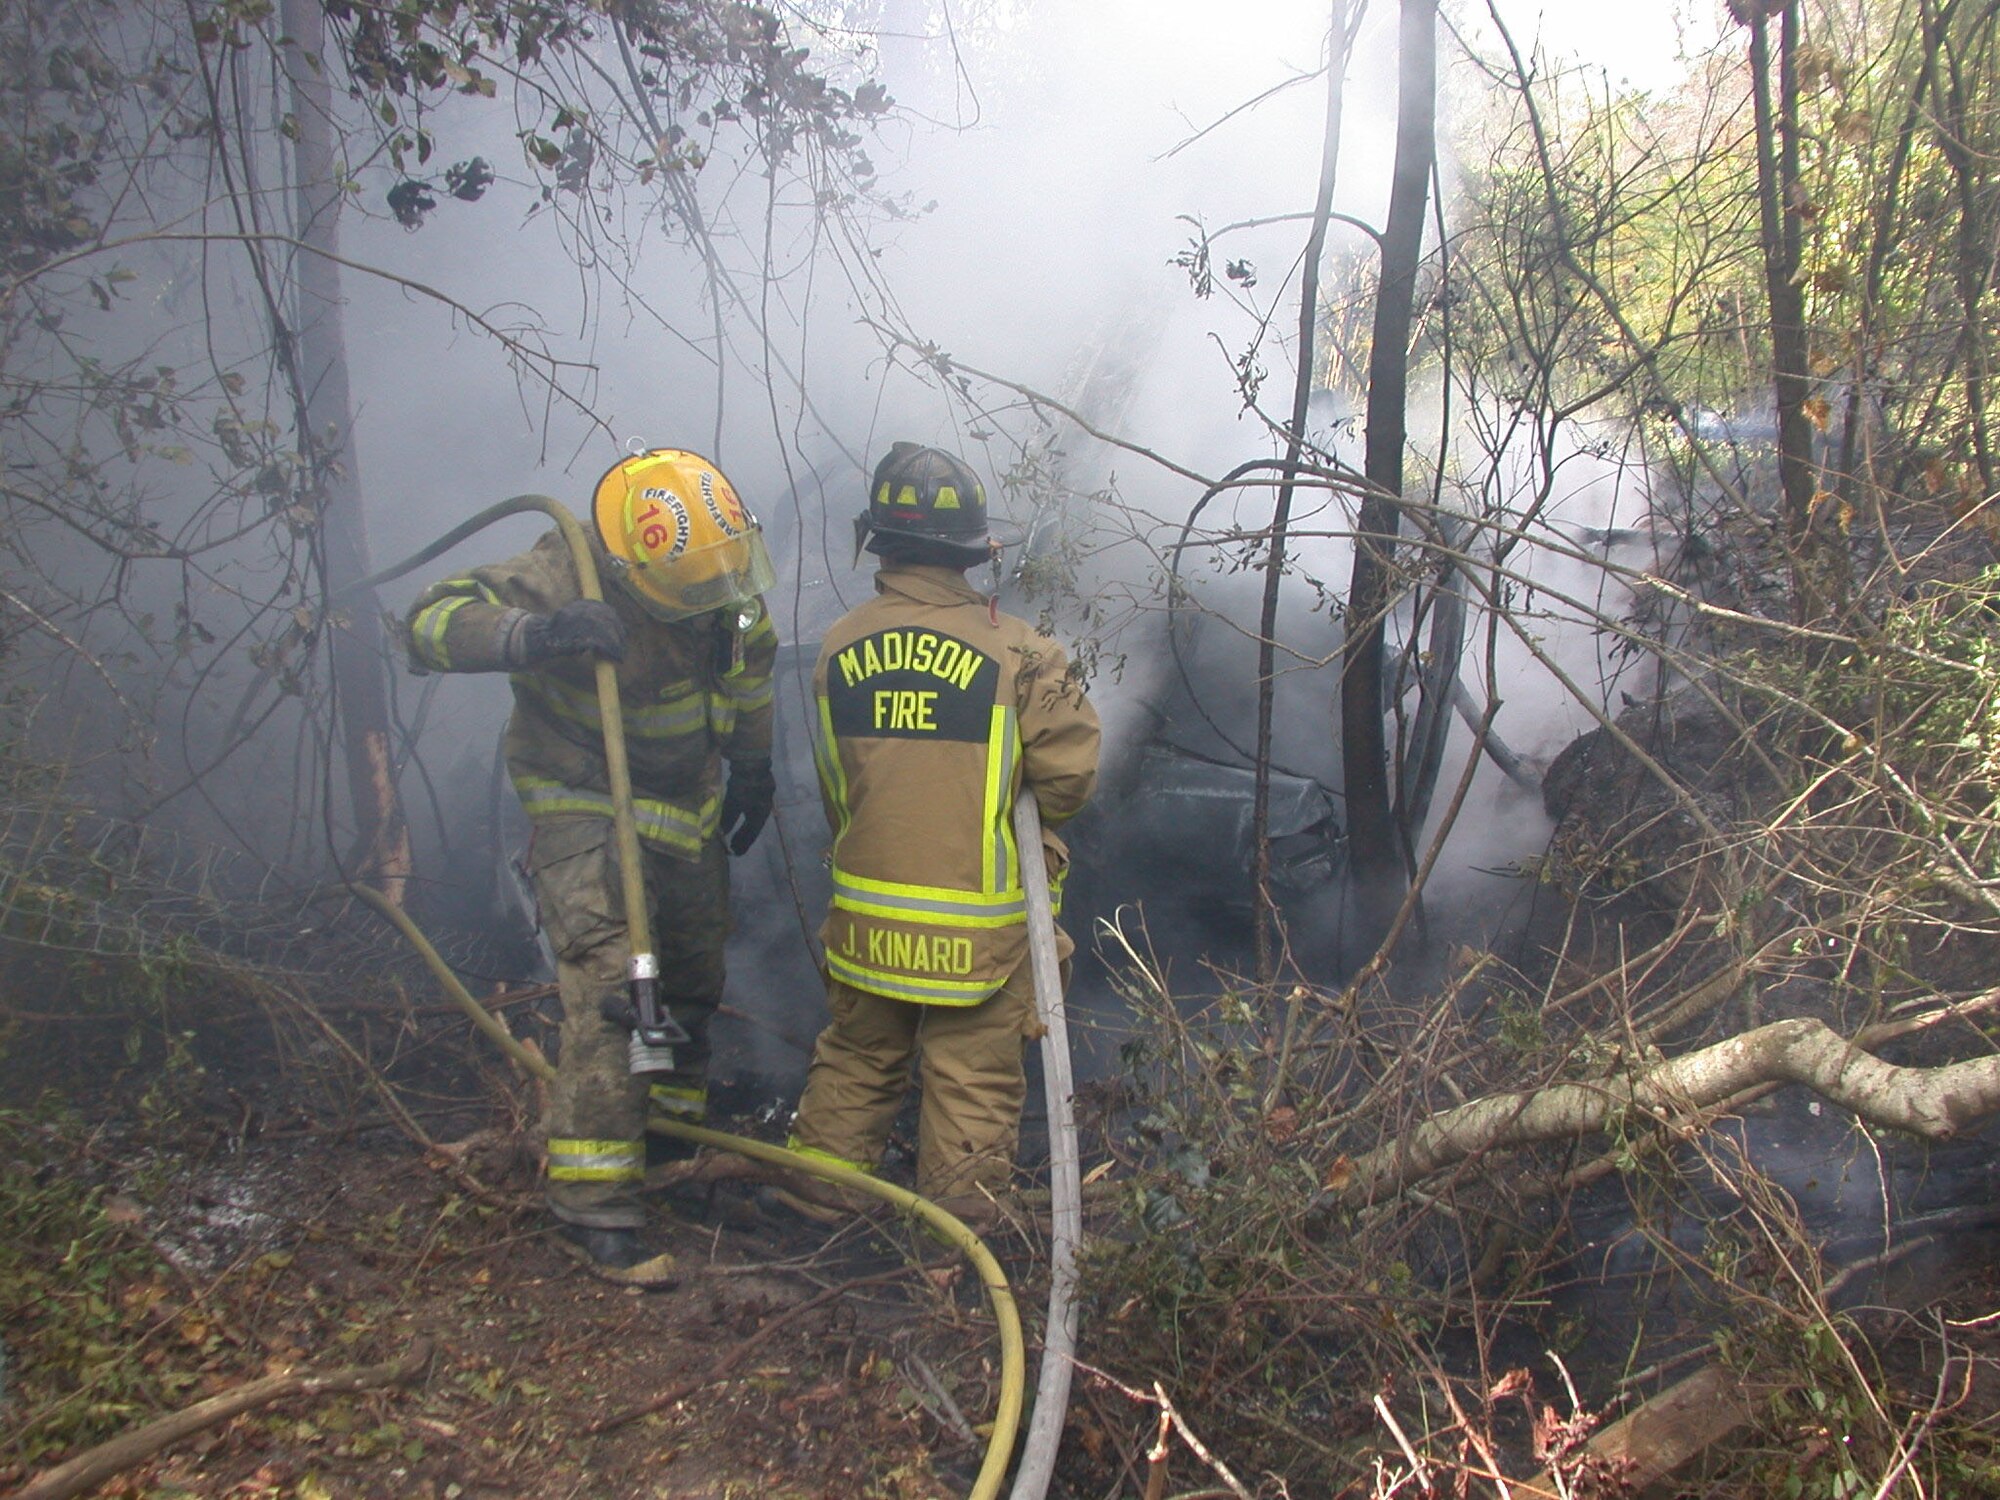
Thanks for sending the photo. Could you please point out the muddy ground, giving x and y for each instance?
(793, 1361)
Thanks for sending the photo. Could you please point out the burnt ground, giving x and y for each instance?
(201, 1216)
(225, 1265)
(791, 1361)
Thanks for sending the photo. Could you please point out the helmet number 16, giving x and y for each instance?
(661, 532)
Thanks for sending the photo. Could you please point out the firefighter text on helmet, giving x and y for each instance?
(679, 538)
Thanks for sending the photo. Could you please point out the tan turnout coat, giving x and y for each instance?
(689, 690)
(932, 715)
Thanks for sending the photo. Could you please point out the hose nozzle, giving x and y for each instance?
(655, 1033)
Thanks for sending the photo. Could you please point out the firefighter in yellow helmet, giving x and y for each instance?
(684, 567)
(934, 711)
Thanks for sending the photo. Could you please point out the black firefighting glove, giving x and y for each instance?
(581, 625)
(746, 806)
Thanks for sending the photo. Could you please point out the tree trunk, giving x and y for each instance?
(1338, 41)
(1972, 261)
(1888, 200)
(1814, 534)
(1376, 863)
(327, 445)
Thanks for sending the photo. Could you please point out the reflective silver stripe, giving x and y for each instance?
(676, 1099)
(682, 715)
(597, 1161)
(921, 903)
(427, 631)
(667, 824)
(902, 987)
(749, 699)
(665, 723)
(685, 714)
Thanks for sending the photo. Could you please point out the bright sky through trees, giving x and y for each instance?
(1642, 42)
(1639, 42)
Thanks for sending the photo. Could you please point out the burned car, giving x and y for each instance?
(1187, 820)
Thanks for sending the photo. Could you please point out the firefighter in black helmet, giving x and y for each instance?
(934, 710)
(929, 506)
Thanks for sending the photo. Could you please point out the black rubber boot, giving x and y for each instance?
(613, 1249)
(614, 1255)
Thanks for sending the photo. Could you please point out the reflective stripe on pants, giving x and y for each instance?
(683, 1101)
(595, 1097)
(596, 1161)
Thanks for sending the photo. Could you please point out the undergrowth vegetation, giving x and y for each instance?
(1676, 420)
(97, 1331)
(1507, 1312)
(1803, 831)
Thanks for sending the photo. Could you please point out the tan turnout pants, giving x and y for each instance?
(973, 1084)
(598, 1108)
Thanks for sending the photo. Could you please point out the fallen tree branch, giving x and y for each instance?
(1656, 1438)
(1418, 1471)
(1934, 1103)
(1686, 1127)
(91, 1468)
(709, 1167)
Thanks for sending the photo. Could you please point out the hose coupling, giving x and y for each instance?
(642, 1058)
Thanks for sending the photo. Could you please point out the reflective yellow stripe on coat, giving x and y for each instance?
(428, 628)
(685, 713)
(683, 830)
(906, 986)
(1001, 901)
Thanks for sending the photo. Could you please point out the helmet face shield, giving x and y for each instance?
(681, 541)
(732, 570)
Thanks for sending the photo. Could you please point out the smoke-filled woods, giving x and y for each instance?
(1517, 494)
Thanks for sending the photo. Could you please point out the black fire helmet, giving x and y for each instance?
(930, 497)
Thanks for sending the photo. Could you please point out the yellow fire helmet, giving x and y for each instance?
(680, 540)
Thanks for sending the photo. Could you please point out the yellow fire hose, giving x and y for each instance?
(1013, 1363)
